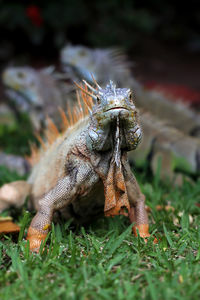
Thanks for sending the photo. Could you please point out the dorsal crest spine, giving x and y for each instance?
(111, 86)
(68, 120)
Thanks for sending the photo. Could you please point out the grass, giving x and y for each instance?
(104, 260)
(15, 140)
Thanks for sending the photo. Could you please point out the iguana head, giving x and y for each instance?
(22, 86)
(113, 109)
(78, 61)
(113, 101)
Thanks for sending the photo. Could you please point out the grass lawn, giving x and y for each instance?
(104, 260)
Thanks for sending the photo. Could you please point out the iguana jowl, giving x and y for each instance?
(86, 168)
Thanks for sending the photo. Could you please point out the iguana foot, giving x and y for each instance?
(35, 238)
(143, 232)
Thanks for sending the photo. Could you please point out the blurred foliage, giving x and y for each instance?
(15, 138)
(7, 175)
(98, 23)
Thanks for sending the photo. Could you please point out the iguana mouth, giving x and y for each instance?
(118, 107)
(14, 93)
(17, 97)
(20, 98)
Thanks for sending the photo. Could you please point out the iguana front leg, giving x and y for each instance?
(138, 214)
(39, 227)
(60, 196)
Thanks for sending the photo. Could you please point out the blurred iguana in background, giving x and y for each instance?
(80, 61)
(166, 126)
(169, 146)
(38, 92)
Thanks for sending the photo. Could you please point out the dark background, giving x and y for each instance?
(162, 37)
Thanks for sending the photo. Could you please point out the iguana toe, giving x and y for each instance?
(143, 230)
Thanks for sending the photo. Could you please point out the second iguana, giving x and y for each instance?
(80, 61)
(37, 92)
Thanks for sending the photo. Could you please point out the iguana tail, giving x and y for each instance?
(14, 194)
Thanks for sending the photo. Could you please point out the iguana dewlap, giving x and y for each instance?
(85, 169)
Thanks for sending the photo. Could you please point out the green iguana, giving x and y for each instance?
(177, 151)
(85, 169)
(38, 92)
(175, 156)
(80, 61)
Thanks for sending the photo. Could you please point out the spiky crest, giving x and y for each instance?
(111, 86)
(97, 85)
(69, 119)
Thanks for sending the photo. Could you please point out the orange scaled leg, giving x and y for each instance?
(143, 229)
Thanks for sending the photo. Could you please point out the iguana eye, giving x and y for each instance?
(98, 100)
(21, 75)
(130, 96)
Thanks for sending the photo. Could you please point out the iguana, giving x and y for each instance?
(82, 62)
(86, 168)
(112, 63)
(38, 92)
(177, 151)
(175, 155)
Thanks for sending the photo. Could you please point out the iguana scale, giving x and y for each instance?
(86, 168)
